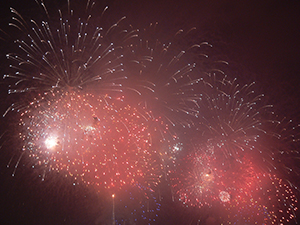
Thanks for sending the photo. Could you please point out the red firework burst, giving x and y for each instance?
(239, 188)
(98, 143)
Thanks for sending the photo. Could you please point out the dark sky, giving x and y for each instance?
(259, 39)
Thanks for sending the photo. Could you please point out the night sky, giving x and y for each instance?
(259, 39)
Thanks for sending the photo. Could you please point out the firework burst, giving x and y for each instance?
(233, 119)
(66, 50)
(234, 162)
(238, 190)
(160, 75)
(99, 143)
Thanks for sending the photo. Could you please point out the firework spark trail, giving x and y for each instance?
(160, 74)
(233, 119)
(67, 52)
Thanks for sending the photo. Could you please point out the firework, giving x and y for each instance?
(235, 160)
(238, 189)
(160, 75)
(234, 120)
(66, 50)
(101, 144)
(273, 202)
